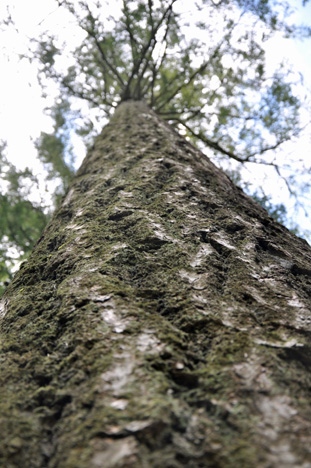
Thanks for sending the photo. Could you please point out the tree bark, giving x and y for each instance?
(162, 321)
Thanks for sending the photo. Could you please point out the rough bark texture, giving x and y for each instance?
(162, 321)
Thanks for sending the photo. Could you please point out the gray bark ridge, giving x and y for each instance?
(163, 319)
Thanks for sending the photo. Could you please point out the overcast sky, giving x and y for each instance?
(22, 115)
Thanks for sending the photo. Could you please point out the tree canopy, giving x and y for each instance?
(199, 64)
(202, 70)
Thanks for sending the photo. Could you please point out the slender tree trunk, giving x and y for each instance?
(162, 321)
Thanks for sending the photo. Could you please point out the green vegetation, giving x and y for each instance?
(21, 221)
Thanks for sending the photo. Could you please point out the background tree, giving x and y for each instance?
(21, 221)
(24, 207)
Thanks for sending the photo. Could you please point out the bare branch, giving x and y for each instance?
(210, 143)
(268, 148)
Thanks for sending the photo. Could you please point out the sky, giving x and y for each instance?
(22, 115)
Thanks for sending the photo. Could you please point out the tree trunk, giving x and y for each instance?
(162, 321)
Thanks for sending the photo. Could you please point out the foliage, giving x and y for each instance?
(209, 79)
(21, 221)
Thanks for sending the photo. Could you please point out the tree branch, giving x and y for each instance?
(211, 143)
(137, 65)
(268, 148)
(182, 86)
(93, 35)
(150, 5)
(204, 65)
(155, 69)
(129, 30)
(80, 94)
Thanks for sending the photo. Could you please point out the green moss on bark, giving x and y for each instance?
(162, 320)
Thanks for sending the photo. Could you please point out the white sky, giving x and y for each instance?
(22, 115)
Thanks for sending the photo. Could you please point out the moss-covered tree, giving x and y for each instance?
(200, 65)
(163, 319)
